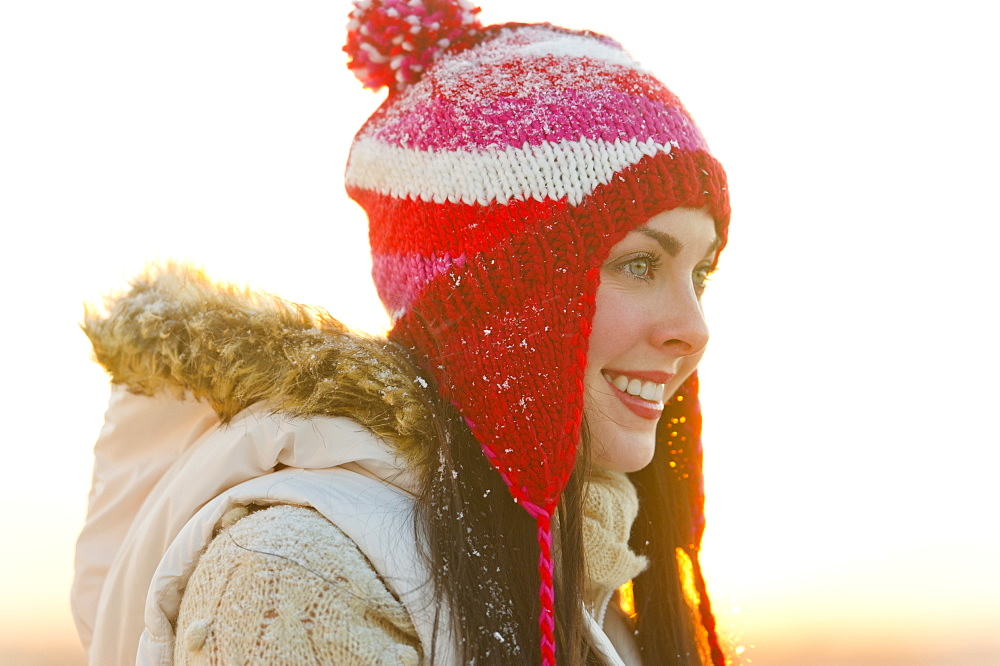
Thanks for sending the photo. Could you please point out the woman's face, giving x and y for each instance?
(649, 332)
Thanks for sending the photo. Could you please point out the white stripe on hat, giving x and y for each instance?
(570, 169)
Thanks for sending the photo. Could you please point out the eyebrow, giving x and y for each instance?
(670, 244)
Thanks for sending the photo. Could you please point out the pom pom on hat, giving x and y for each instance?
(391, 42)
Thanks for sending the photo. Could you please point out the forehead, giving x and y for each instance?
(680, 229)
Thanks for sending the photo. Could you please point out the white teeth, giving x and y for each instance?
(646, 390)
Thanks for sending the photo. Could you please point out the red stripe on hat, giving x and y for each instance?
(447, 228)
(661, 182)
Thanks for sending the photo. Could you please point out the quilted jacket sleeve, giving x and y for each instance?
(285, 586)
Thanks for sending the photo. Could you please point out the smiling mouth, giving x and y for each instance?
(636, 387)
(642, 396)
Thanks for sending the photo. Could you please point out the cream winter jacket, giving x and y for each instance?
(226, 402)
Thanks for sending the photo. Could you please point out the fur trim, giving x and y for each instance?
(176, 331)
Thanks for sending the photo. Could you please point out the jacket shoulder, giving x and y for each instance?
(176, 331)
(285, 585)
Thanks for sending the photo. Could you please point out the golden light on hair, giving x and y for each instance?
(626, 599)
(686, 571)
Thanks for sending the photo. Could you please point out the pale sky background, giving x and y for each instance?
(850, 384)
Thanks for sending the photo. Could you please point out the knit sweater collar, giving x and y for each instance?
(610, 507)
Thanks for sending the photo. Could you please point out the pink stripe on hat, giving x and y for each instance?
(564, 115)
(401, 277)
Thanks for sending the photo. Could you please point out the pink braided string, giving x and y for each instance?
(546, 590)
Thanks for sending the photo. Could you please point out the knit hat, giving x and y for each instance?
(504, 164)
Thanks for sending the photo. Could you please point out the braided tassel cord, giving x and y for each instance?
(546, 591)
(707, 617)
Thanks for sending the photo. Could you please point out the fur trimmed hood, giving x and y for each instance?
(175, 331)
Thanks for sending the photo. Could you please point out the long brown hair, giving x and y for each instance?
(666, 627)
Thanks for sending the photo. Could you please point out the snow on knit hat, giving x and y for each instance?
(504, 164)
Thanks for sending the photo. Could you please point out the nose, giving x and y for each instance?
(680, 326)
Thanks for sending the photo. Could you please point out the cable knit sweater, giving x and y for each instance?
(285, 586)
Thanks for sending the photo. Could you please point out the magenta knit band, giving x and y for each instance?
(436, 125)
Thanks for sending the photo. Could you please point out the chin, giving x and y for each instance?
(626, 454)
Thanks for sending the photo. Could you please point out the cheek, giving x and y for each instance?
(612, 327)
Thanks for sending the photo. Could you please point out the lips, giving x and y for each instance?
(641, 392)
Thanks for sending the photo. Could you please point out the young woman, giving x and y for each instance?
(513, 476)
